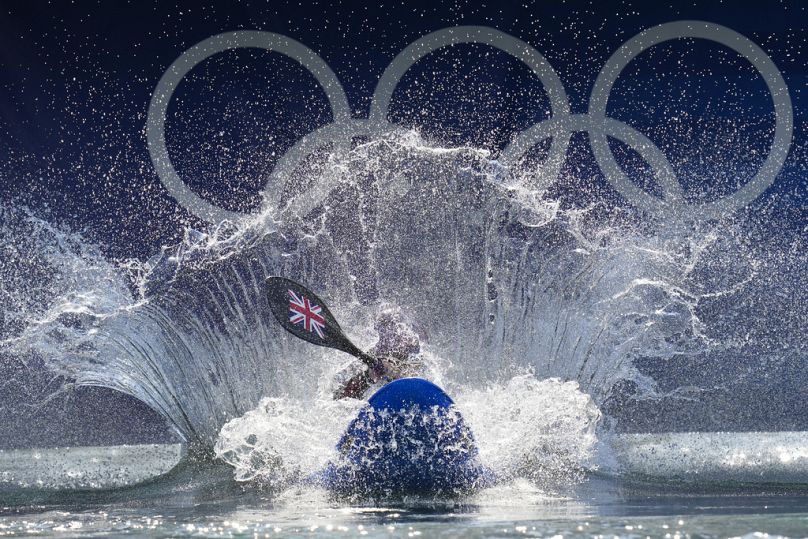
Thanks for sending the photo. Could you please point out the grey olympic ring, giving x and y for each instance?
(559, 127)
(155, 126)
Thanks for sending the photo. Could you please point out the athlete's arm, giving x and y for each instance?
(355, 387)
(393, 368)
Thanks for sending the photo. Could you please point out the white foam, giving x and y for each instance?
(284, 439)
(543, 430)
(538, 429)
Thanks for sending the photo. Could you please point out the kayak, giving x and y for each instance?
(409, 439)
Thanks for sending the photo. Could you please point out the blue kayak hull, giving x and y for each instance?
(408, 439)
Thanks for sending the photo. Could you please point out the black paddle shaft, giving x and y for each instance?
(306, 316)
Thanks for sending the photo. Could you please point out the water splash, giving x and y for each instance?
(284, 440)
(525, 428)
(506, 282)
(540, 430)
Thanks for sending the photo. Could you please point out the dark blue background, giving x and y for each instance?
(75, 84)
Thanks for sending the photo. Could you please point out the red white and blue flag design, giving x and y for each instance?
(305, 313)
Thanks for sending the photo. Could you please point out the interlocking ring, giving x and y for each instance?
(155, 126)
(729, 38)
(559, 127)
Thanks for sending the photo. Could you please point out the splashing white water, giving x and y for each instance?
(283, 439)
(541, 430)
(505, 284)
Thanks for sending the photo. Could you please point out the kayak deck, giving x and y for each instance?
(409, 439)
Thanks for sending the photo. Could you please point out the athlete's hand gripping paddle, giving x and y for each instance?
(306, 316)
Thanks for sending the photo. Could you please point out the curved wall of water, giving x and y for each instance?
(503, 283)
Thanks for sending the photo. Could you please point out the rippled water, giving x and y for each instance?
(676, 492)
(207, 503)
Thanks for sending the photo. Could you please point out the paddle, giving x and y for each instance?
(306, 316)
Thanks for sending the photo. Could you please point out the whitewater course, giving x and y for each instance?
(535, 314)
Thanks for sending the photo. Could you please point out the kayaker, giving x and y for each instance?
(398, 349)
(432, 450)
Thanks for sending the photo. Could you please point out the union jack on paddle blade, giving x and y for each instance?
(304, 312)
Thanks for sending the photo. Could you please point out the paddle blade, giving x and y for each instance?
(305, 315)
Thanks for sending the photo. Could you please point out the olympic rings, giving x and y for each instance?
(155, 126)
(558, 128)
(784, 125)
(559, 102)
